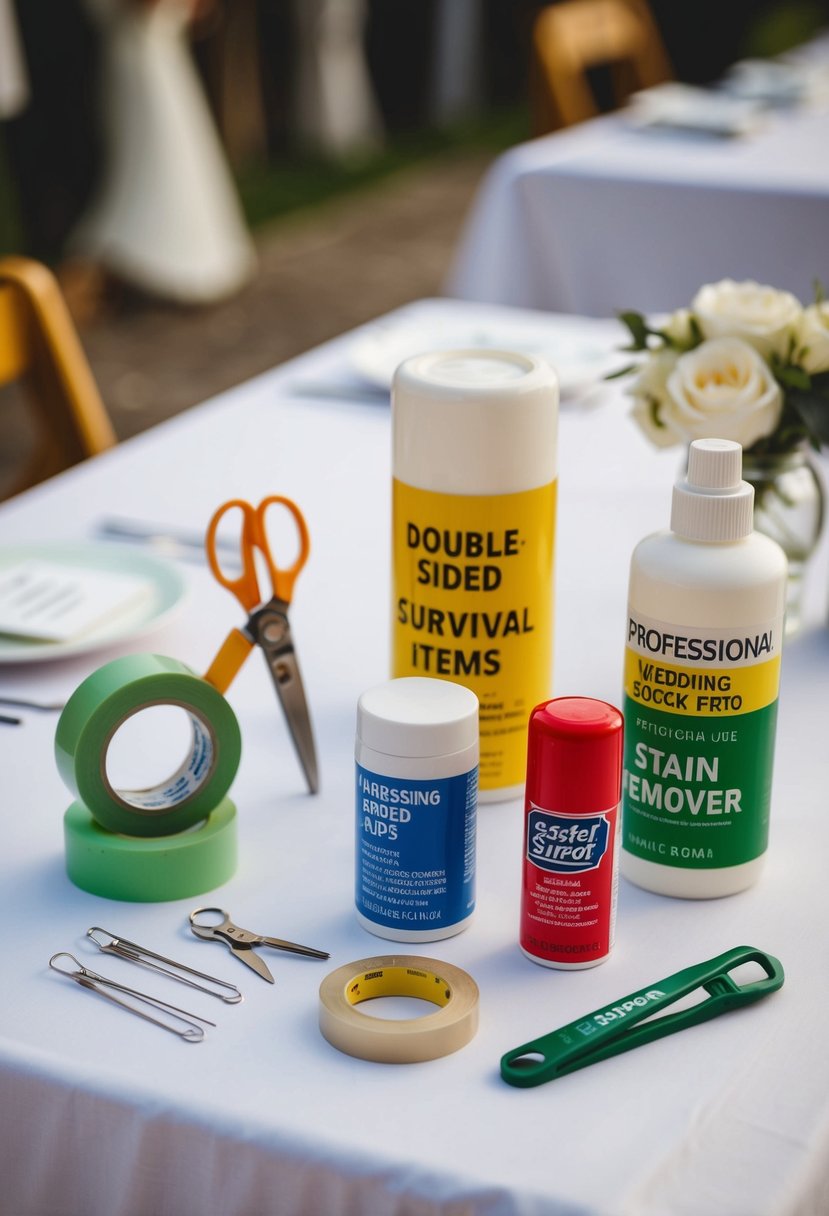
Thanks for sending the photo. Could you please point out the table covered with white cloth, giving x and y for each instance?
(605, 216)
(105, 1114)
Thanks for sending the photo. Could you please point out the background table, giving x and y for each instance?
(106, 1115)
(604, 217)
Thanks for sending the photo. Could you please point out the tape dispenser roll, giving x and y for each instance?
(409, 1040)
(150, 869)
(103, 702)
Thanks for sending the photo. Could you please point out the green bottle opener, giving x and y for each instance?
(640, 1017)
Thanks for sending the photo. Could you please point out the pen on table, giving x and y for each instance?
(8, 720)
(342, 392)
(40, 706)
(171, 541)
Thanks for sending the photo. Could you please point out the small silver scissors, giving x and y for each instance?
(242, 941)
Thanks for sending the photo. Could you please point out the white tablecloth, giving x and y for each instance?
(104, 1115)
(603, 217)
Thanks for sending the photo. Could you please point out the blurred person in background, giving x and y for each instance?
(165, 217)
(14, 80)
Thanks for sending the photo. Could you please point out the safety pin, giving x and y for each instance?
(639, 1018)
(134, 953)
(99, 983)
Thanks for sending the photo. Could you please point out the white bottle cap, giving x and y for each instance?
(418, 717)
(475, 422)
(712, 502)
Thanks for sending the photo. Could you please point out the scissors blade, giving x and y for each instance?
(291, 692)
(273, 632)
(277, 943)
(246, 954)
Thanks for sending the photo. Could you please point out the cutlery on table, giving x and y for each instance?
(341, 392)
(41, 706)
(171, 541)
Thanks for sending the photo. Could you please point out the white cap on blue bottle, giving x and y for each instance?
(417, 717)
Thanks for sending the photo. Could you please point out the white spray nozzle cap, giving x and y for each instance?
(712, 502)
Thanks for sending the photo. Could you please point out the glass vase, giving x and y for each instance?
(789, 506)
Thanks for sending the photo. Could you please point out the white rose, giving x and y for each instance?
(650, 393)
(762, 316)
(678, 327)
(813, 338)
(722, 390)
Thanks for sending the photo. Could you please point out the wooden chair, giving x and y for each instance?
(40, 347)
(575, 36)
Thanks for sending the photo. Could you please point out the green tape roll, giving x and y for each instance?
(104, 701)
(150, 870)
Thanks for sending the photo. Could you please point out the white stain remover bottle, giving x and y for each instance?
(702, 669)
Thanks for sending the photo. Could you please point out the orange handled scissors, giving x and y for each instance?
(267, 624)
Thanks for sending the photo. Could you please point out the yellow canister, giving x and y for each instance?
(473, 528)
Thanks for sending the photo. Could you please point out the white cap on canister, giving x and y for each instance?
(418, 717)
(712, 502)
(475, 421)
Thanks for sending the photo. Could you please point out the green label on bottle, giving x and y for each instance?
(700, 714)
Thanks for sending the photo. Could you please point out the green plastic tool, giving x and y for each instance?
(641, 1017)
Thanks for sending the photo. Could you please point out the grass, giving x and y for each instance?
(782, 26)
(272, 190)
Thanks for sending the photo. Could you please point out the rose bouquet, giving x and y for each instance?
(744, 362)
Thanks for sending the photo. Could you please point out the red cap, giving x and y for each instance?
(574, 755)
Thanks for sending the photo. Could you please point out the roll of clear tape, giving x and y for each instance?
(150, 869)
(103, 702)
(404, 1041)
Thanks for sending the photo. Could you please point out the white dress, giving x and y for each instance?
(166, 217)
(335, 112)
(14, 81)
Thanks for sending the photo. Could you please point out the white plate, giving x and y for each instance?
(682, 107)
(579, 359)
(168, 591)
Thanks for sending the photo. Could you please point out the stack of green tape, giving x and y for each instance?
(172, 840)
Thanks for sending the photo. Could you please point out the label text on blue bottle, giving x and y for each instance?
(415, 850)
